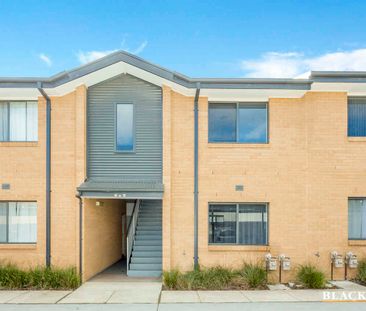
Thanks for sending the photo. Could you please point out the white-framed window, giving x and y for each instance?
(18, 222)
(238, 223)
(125, 127)
(357, 116)
(19, 121)
(357, 219)
(238, 123)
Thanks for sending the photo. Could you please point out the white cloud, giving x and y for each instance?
(89, 56)
(140, 48)
(298, 65)
(43, 57)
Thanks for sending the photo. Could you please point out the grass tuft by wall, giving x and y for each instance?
(12, 277)
(249, 276)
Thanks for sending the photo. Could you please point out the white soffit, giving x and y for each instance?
(257, 95)
(352, 88)
(113, 71)
(19, 94)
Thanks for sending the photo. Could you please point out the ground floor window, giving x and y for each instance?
(245, 224)
(357, 219)
(18, 222)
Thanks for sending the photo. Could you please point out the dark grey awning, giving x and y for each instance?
(121, 189)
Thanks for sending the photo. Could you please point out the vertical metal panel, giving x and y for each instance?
(145, 163)
(357, 116)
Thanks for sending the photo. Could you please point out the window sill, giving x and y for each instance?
(356, 139)
(16, 246)
(238, 145)
(357, 242)
(238, 248)
(18, 144)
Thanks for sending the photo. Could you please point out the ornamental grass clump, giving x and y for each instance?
(254, 275)
(171, 278)
(214, 278)
(361, 271)
(311, 277)
(12, 277)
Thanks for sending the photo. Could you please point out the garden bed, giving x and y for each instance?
(12, 277)
(250, 276)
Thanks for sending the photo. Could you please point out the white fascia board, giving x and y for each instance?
(352, 88)
(113, 71)
(254, 95)
(19, 94)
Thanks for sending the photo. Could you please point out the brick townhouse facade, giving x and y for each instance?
(121, 158)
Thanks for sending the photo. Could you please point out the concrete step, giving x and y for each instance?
(146, 266)
(146, 260)
(147, 247)
(149, 228)
(150, 254)
(146, 237)
(149, 232)
(152, 216)
(149, 223)
(148, 220)
(146, 274)
(148, 243)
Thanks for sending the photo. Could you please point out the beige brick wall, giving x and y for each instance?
(24, 168)
(102, 238)
(306, 173)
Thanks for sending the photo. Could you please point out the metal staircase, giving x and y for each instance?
(145, 240)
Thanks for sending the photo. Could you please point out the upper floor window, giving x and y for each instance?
(18, 222)
(244, 224)
(125, 140)
(357, 219)
(238, 123)
(356, 116)
(19, 121)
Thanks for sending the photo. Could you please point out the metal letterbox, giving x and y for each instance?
(351, 260)
(271, 262)
(337, 259)
(285, 263)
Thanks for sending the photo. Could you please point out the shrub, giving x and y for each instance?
(361, 271)
(310, 277)
(171, 278)
(254, 275)
(12, 277)
(206, 278)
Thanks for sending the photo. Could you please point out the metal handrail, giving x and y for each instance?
(130, 221)
(131, 230)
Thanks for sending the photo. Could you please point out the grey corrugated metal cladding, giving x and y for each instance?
(104, 163)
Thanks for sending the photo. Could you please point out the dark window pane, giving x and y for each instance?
(356, 219)
(357, 117)
(252, 224)
(3, 221)
(222, 222)
(222, 123)
(124, 130)
(252, 123)
(22, 222)
(4, 122)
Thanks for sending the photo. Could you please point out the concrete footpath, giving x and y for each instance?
(138, 293)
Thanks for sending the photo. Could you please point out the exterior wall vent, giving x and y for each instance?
(5, 186)
(239, 188)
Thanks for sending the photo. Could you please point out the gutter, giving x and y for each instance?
(80, 236)
(198, 88)
(48, 173)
